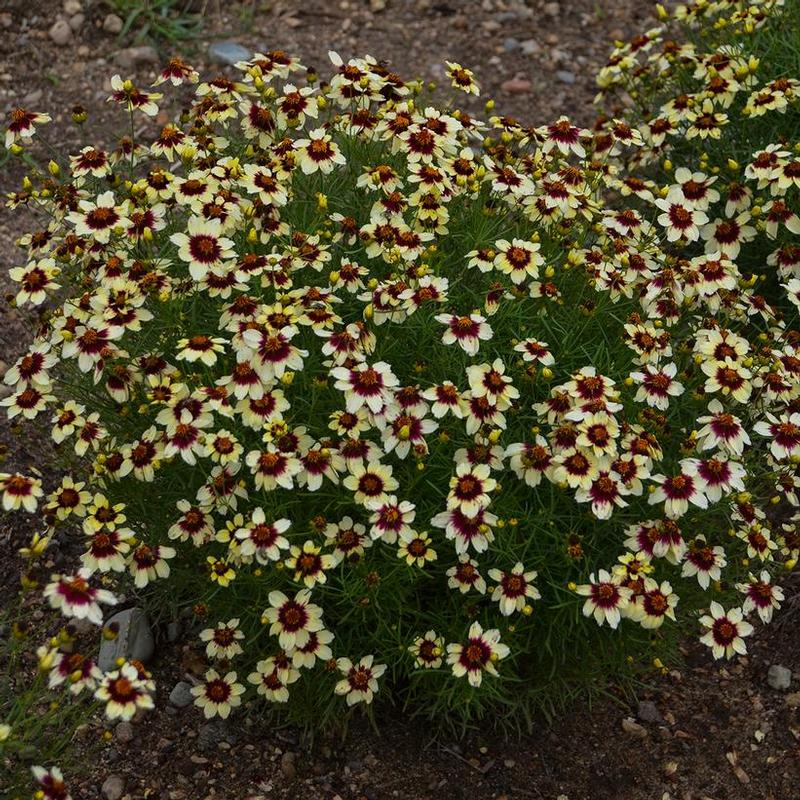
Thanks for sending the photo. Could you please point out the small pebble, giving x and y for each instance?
(793, 700)
(779, 677)
(516, 86)
(288, 765)
(112, 24)
(228, 52)
(60, 32)
(113, 787)
(647, 711)
(131, 56)
(633, 728)
(530, 47)
(124, 732)
(181, 696)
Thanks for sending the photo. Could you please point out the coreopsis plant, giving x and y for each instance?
(406, 404)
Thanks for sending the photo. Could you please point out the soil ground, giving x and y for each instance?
(718, 732)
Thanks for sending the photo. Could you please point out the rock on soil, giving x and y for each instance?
(124, 732)
(288, 765)
(134, 639)
(228, 52)
(181, 695)
(113, 787)
(647, 711)
(779, 678)
(516, 86)
(212, 734)
(633, 728)
(60, 32)
(112, 24)
(129, 57)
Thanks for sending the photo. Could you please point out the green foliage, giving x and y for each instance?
(161, 21)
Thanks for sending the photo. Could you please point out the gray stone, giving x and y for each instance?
(506, 16)
(552, 9)
(113, 787)
(510, 44)
(76, 22)
(181, 695)
(647, 711)
(112, 24)
(228, 52)
(60, 32)
(124, 732)
(131, 56)
(779, 677)
(173, 631)
(212, 734)
(565, 76)
(72, 7)
(530, 47)
(134, 639)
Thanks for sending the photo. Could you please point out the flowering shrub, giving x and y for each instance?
(39, 718)
(393, 398)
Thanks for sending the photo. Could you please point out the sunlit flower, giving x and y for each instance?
(725, 631)
(467, 331)
(361, 679)
(428, 650)
(22, 125)
(203, 247)
(74, 597)
(761, 596)
(218, 695)
(222, 642)
(293, 620)
(273, 678)
(20, 492)
(479, 654)
(124, 693)
(51, 781)
(514, 588)
(703, 561)
(606, 599)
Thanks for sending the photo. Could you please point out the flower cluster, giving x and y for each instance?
(378, 388)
